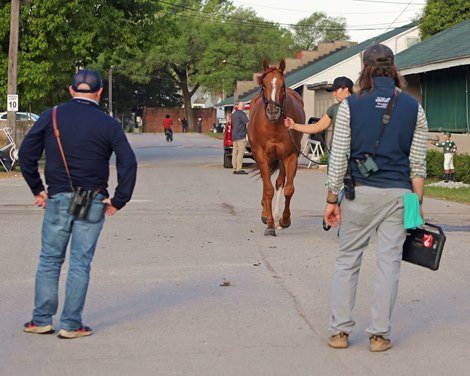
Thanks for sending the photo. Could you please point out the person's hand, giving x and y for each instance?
(332, 215)
(40, 200)
(110, 209)
(289, 123)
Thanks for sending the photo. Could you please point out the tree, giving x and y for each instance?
(58, 37)
(132, 96)
(310, 31)
(439, 15)
(212, 45)
(237, 47)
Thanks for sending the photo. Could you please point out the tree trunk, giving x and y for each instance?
(188, 108)
(182, 82)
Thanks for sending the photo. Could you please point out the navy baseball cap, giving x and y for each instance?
(341, 82)
(378, 55)
(90, 77)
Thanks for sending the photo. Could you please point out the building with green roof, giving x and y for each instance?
(438, 73)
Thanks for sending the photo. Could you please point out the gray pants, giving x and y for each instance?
(377, 210)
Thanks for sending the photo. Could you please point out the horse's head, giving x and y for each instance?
(273, 89)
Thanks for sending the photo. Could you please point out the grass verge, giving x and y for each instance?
(461, 195)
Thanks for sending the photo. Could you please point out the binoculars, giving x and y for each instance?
(80, 203)
(367, 166)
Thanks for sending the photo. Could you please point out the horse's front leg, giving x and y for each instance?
(268, 193)
(280, 181)
(290, 164)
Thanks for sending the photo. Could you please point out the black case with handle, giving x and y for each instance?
(424, 246)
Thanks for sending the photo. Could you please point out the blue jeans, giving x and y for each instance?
(57, 229)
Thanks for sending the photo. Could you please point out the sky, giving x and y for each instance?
(364, 18)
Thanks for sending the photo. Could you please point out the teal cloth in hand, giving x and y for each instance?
(412, 217)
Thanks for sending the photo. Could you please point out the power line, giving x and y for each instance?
(198, 14)
(403, 11)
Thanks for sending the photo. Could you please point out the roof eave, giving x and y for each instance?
(436, 65)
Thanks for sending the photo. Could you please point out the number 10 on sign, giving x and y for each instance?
(12, 102)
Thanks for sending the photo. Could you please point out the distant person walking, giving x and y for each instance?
(167, 123)
(184, 125)
(199, 125)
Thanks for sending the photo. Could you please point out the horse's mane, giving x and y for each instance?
(260, 78)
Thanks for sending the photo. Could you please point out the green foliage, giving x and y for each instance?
(318, 27)
(58, 37)
(135, 96)
(156, 48)
(212, 45)
(439, 15)
(462, 167)
(434, 163)
(236, 48)
(435, 166)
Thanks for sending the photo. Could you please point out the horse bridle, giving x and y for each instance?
(270, 101)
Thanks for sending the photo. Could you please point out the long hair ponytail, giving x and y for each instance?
(365, 81)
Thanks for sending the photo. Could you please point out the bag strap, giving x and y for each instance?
(57, 135)
(386, 118)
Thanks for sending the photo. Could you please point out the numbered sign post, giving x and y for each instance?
(12, 102)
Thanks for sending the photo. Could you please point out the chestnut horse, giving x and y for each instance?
(272, 146)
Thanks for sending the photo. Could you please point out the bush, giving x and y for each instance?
(462, 167)
(434, 163)
(435, 166)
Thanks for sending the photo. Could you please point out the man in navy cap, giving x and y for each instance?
(76, 199)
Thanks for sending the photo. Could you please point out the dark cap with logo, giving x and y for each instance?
(341, 82)
(378, 55)
(90, 77)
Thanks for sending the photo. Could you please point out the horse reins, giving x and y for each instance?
(300, 151)
(281, 106)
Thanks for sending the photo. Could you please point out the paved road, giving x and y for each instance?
(156, 300)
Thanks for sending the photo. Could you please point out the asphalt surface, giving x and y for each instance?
(185, 283)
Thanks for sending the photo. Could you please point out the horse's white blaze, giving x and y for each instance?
(273, 92)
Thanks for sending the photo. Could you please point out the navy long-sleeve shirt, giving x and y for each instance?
(89, 137)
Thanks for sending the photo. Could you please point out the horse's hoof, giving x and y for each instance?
(270, 231)
(284, 225)
(264, 219)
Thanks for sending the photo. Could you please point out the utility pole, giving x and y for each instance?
(12, 62)
(12, 65)
(110, 91)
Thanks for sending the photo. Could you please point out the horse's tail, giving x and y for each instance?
(273, 167)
